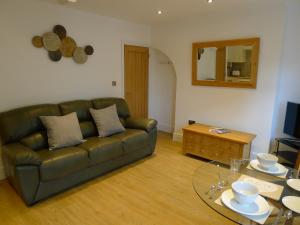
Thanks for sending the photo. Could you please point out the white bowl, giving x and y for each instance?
(244, 192)
(266, 161)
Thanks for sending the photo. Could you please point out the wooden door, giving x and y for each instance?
(136, 62)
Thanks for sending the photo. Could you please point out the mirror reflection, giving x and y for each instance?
(226, 63)
(238, 63)
(207, 63)
(231, 63)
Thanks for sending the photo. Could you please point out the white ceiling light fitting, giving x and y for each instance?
(210, 1)
(72, 1)
(159, 12)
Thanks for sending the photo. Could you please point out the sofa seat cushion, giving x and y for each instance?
(132, 140)
(62, 162)
(102, 149)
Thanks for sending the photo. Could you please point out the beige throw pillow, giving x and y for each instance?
(107, 121)
(62, 131)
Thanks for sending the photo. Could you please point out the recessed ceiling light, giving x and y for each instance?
(210, 1)
(159, 12)
(72, 1)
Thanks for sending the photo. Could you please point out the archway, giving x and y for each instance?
(162, 90)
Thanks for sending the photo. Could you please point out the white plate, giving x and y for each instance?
(277, 169)
(294, 183)
(259, 207)
(292, 202)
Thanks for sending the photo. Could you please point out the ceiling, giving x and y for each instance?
(145, 11)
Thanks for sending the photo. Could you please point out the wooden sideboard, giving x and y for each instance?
(199, 141)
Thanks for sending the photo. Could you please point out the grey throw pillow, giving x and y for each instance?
(107, 121)
(62, 131)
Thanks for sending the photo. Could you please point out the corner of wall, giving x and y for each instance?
(177, 136)
(165, 128)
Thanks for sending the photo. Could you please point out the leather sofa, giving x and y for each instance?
(37, 173)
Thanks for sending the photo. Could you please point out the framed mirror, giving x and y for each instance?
(229, 63)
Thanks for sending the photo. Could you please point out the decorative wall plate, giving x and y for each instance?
(60, 31)
(89, 50)
(37, 41)
(55, 56)
(80, 56)
(51, 41)
(58, 44)
(68, 46)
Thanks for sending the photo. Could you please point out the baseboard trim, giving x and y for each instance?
(2, 174)
(177, 137)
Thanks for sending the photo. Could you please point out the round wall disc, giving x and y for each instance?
(51, 41)
(55, 56)
(89, 50)
(60, 31)
(68, 46)
(37, 41)
(80, 56)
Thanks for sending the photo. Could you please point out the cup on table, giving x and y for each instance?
(294, 174)
(222, 173)
(236, 164)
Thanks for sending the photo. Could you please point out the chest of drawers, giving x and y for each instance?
(200, 141)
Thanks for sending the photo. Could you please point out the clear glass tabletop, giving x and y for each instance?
(212, 178)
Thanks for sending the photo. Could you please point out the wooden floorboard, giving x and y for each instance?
(154, 191)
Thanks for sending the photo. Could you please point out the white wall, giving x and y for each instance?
(162, 85)
(28, 77)
(249, 110)
(289, 82)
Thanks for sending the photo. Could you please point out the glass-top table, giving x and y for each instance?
(207, 177)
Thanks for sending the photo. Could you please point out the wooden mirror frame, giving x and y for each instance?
(254, 42)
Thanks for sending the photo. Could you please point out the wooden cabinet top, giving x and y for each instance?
(235, 136)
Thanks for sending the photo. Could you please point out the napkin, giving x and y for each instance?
(258, 219)
(265, 188)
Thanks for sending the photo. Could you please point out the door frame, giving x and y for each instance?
(123, 43)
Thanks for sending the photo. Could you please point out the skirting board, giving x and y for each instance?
(177, 137)
(2, 174)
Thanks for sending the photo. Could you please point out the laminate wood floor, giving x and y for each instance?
(154, 191)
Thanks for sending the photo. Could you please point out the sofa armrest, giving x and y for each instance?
(19, 155)
(143, 124)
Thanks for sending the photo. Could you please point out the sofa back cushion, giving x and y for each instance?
(81, 107)
(22, 122)
(88, 129)
(122, 107)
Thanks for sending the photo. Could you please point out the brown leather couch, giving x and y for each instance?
(37, 173)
